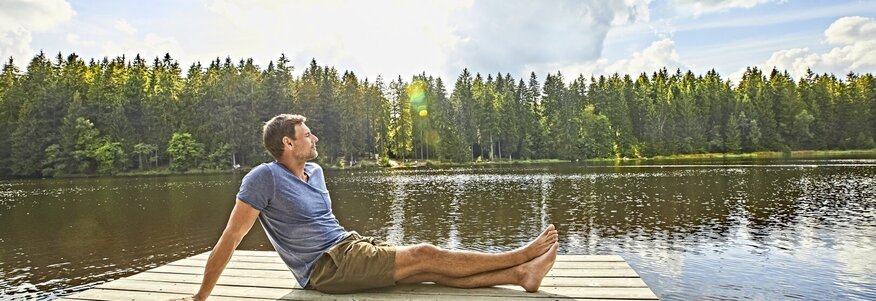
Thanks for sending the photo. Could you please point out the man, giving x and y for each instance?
(290, 199)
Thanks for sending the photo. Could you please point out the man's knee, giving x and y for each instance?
(423, 252)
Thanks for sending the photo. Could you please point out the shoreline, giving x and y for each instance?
(417, 164)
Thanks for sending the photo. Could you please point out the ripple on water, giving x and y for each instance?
(736, 231)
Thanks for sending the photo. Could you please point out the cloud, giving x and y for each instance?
(393, 38)
(514, 36)
(851, 30)
(33, 15)
(700, 7)
(150, 46)
(658, 55)
(16, 44)
(76, 40)
(125, 27)
(18, 19)
(854, 57)
(795, 60)
(855, 40)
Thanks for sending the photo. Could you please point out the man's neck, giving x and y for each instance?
(295, 166)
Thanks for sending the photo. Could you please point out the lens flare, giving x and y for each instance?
(417, 93)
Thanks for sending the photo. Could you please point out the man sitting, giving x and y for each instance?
(290, 199)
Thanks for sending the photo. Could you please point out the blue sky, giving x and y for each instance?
(392, 38)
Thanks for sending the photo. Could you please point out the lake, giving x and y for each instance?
(697, 229)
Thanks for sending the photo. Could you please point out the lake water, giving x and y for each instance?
(694, 230)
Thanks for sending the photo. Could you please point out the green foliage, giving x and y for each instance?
(54, 162)
(219, 158)
(596, 135)
(147, 151)
(185, 153)
(66, 115)
(400, 120)
(733, 139)
(110, 157)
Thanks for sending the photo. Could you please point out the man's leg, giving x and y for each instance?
(428, 259)
(528, 275)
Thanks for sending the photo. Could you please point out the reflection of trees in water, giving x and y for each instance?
(641, 205)
(684, 208)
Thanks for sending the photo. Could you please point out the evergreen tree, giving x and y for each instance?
(10, 94)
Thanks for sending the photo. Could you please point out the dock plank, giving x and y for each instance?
(261, 275)
(240, 264)
(289, 283)
(607, 273)
(248, 253)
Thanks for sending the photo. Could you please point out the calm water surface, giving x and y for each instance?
(771, 230)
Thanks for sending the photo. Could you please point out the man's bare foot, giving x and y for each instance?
(540, 244)
(532, 272)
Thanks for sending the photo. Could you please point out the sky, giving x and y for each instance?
(440, 38)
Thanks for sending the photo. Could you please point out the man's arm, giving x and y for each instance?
(242, 218)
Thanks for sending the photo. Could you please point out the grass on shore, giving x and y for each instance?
(771, 155)
(394, 164)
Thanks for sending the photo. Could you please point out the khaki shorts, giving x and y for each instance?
(356, 263)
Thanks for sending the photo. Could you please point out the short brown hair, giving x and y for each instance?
(280, 126)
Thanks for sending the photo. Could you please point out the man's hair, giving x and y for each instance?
(280, 126)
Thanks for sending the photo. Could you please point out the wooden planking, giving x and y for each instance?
(607, 273)
(107, 295)
(291, 284)
(98, 294)
(238, 264)
(261, 275)
(396, 292)
(248, 253)
(276, 259)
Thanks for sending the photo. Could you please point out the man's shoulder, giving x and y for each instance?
(262, 167)
(261, 170)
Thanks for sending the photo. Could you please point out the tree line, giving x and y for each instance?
(65, 116)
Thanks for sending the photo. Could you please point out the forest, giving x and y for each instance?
(68, 116)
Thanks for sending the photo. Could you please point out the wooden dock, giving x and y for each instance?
(261, 275)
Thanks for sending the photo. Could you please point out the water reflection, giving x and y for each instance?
(743, 230)
(717, 232)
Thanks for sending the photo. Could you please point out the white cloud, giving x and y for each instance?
(125, 27)
(860, 55)
(33, 15)
(76, 40)
(20, 18)
(700, 7)
(393, 38)
(658, 55)
(795, 60)
(855, 38)
(150, 46)
(16, 44)
(850, 30)
(514, 36)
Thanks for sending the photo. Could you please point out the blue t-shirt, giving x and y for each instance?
(297, 216)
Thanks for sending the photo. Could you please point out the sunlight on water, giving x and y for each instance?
(729, 230)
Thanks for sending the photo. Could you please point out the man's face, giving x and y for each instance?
(304, 144)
